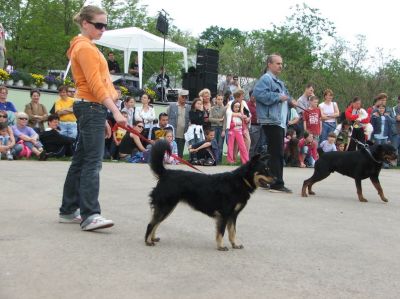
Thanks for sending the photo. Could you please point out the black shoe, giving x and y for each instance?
(282, 189)
(43, 156)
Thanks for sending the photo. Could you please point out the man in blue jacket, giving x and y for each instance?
(273, 106)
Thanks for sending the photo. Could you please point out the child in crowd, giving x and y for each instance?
(312, 118)
(169, 136)
(308, 150)
(205, 152)
(291, 150)
(343, 133)
(382, 123)
(129, 108)
(194, 133)
(236, 133)
(340, 146)
(5, 142)
(328, 145)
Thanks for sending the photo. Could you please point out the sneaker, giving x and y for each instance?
(97, 222)
(282, 189)
(71, 218)
(10, 157)
(43, 156)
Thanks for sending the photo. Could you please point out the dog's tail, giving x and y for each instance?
(157, 157)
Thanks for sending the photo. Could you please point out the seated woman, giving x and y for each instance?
(131, 148)
(64, 109)
(28, 137)
(14, 148)
(145, 114)
(36, 111)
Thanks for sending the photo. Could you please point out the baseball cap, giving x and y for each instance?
(183, 92)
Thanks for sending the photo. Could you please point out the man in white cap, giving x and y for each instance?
(178, 114)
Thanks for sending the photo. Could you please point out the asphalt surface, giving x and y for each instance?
(326, 246)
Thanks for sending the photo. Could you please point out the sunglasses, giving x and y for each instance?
(3, 116)
(140, 127)
(98, 26)
(71, 91)
(23, 118)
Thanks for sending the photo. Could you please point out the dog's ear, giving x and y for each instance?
(265, 157)
(255, 158)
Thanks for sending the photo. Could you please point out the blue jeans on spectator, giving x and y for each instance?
(68, 128)
(308, 159)
(326, 129)
(220, 141)
(81, 187)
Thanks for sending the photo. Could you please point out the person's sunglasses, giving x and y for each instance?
(140, 127)
(98, 26)
(23, 118)
(71, 91)
(3, 116)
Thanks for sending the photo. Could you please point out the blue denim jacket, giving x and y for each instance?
(267, 91)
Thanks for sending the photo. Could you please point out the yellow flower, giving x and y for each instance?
(4, 76)
(38, 79)
(124, 90)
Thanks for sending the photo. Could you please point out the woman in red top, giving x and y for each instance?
(360, 120)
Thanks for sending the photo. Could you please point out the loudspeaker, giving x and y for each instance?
(162, 24)
(208, 80)
(207, 60)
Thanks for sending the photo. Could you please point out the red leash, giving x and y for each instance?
(131, 130)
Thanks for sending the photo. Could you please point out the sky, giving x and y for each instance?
(377, 20)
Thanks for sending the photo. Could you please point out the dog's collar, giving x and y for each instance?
(247, 183)
(372, 156)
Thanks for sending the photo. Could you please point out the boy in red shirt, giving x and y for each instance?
(307, 150)
(312, 118)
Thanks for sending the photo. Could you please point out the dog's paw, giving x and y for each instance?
(155, 239)
(223, 248)
(240, 246)
(150, 244)
(311, 192)
(384, 199)
(363, 199)
(304, 194)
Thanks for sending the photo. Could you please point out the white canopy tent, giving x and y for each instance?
(133, 39)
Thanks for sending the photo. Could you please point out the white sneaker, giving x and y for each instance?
(97, 222)
(9, 156)
(71, 218)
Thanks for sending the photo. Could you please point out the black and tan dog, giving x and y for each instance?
(359, 165)
(221, 196)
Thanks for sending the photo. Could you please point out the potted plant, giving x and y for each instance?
(27, 79)
(16, 76)
(4, 76)
(38, 80)
(51, 82)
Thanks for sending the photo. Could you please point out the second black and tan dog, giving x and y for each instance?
(359, 165)
(221, 196)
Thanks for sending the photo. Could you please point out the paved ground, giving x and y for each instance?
(328, 246)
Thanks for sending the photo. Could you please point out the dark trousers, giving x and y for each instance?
(81, 187)
(275, 138)
(180, 142)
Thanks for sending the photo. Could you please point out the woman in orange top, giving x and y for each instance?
(95, 93)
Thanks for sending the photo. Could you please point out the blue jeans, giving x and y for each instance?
(68, 129)
(326, 129)
(81, 187)
(220, 142)
(308, 159)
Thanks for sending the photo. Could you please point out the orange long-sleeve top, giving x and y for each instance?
(90, 71)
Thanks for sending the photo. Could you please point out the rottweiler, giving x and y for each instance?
(359, 165)
(221, 196)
